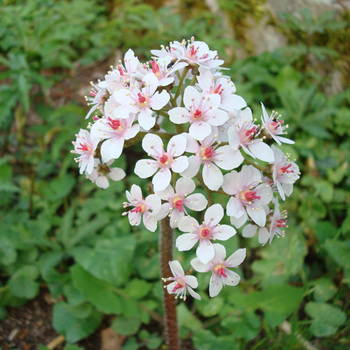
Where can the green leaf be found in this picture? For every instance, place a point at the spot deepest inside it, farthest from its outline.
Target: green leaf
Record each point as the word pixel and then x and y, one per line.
pixel 245 326
pixel 58 188
pixel 187 319
pixel 324 289
pixel 210 307
pixel 326 318
pixel 325 190
pixel 110 260
pixel 98 292
pixel 206 340
pixel 126 325
pixel 23 284
pixel 137 288
pixel 72 347
pixel 71 327
pixel 339 251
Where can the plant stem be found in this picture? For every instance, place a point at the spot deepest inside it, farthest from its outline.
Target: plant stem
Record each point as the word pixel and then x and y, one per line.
pixel 166 254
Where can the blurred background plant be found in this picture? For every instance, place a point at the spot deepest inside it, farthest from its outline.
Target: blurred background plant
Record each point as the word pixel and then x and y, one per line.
pixel 64 242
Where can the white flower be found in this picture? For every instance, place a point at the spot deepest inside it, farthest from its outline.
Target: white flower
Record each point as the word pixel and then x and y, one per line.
pixel 181 284
pixel 249 195
pixel 243 134
pixel 273 126
pixel 85 145
pixel 141 100
pixel 178 202
pixel 98 95
pixel 164 161
pixel 103 171
pixel 221 275
pixel 208 154
pixel 142 207
pixel 285 173
pixel 201 111
pixel 204 233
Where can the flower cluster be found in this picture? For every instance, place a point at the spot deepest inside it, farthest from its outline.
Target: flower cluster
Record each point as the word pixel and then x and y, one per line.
pixel 197 134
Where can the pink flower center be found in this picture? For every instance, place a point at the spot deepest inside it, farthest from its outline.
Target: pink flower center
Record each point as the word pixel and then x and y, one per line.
pixel 250 133
pixel 285 169
pixel 155 69
pixel 281 223
pixel 220 270
pixel 207 153
pixel 178 204
pixel 205 232
pixel 218 90
pixel 275 124
pixel 142 100
pixel 164 159
pixel 114 124
pixel 141 208
pixel 179 285
pixel 249 196
pixel 197 115
pixel 84 148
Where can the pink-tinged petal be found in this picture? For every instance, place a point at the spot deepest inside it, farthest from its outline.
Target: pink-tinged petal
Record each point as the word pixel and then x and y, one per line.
pixel 170 287
pixel 146 120
pixel 288 189
pixel 153 201
pixel 196 202
pixel 233 102
pixel 214 214
pixel 90 165
pixel 161 212
pixel 116 174
pixel 94 175
pixel 230 183
pixel 258 215
pixel 191 97
pixel 204 79
pixel 232 278
pixel 135 192
pixel 262 151
pixel 99 128
pixel 263 236
pixel 249 231
pixel 220 252
pixel 150 224
pixel 112 149
pixel 284 140
pixel 131 132
pixel 212 176
pixel 175 218
pixel 191 281
pixel 280 190
pixel 152 144
pixel 193 293
pixel 177 145
pixel 123 111
pixel 145 168
pixel 159 100
pixel 235 208
pixel 166 194
pixel 228 158
pixel 179 164
pixel 151 83
pixel 188 224
pixel 205 251
pixel 238 222
pixel 200 130
pixel 123 96
pixel 193 167
pixel 217 117
pixel 102 182
pixel 185 186
pixel 200 267
pixel 134 218
pixel 166 81
pixel 186 241
pixel 131 62
pixel 233 138
pixel 192 144
pixel 161 180
pixel 176 269
pixel 215 285
pixel 236 258
pixel 224 232
pixel 179 115
pixel 212 102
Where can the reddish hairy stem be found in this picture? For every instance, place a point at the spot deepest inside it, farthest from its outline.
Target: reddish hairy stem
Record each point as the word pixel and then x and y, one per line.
pixel 166 254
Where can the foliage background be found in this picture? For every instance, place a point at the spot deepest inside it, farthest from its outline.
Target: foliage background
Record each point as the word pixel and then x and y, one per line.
pixel 58 232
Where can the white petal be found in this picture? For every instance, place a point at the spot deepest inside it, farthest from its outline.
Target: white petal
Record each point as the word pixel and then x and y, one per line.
pixel 235 208
pixel 176 269
pixel 249 231
pixel 205 251
pixel 123 96
pixel 193 167
pixel 166 194
pixel 262 151
pixel 102 182
pixel 185 186
pixel 179 164
pixel 238 222
pixel 215 285
pixel 236 258
pixel 153 201
pixel 116 174
pixel 214 214
pixel 229 184
pixel 200 130
pixel 152 144
pixel 193 293
pixel 229 158
pixel 200 267
pixel 191 281
pixel 212 176
pixel 161 180
pixel 258 215
pixel 186 241
pixel 146 120
pixel 191 97
pixel 232 278
pixel 112 149
pixel 177 145
pixel 151 83
pixel 220 252
pixel 196 202
pixel 233 101
pixel 179 115
pixel 217 118
pixel 159 100
pixel 175 218
pixel 188 224
pixel 233 138
pixel 161 212
pixel 145 168
pixel 264 235
pixel 135 192
pixel 224 232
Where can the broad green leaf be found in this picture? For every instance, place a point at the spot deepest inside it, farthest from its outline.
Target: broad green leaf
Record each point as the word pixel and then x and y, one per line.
pixel 324 289
pixel 71 327
pixel 339 251
pixel 186 318
pixel 23 282
pixel 126 325
pixel 137 288
pixel 98 292
pixel 245 326
pixel 210 307
pixel 206 340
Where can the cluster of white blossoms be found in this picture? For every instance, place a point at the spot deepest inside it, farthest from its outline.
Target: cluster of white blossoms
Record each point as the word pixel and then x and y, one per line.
pixel 197 133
